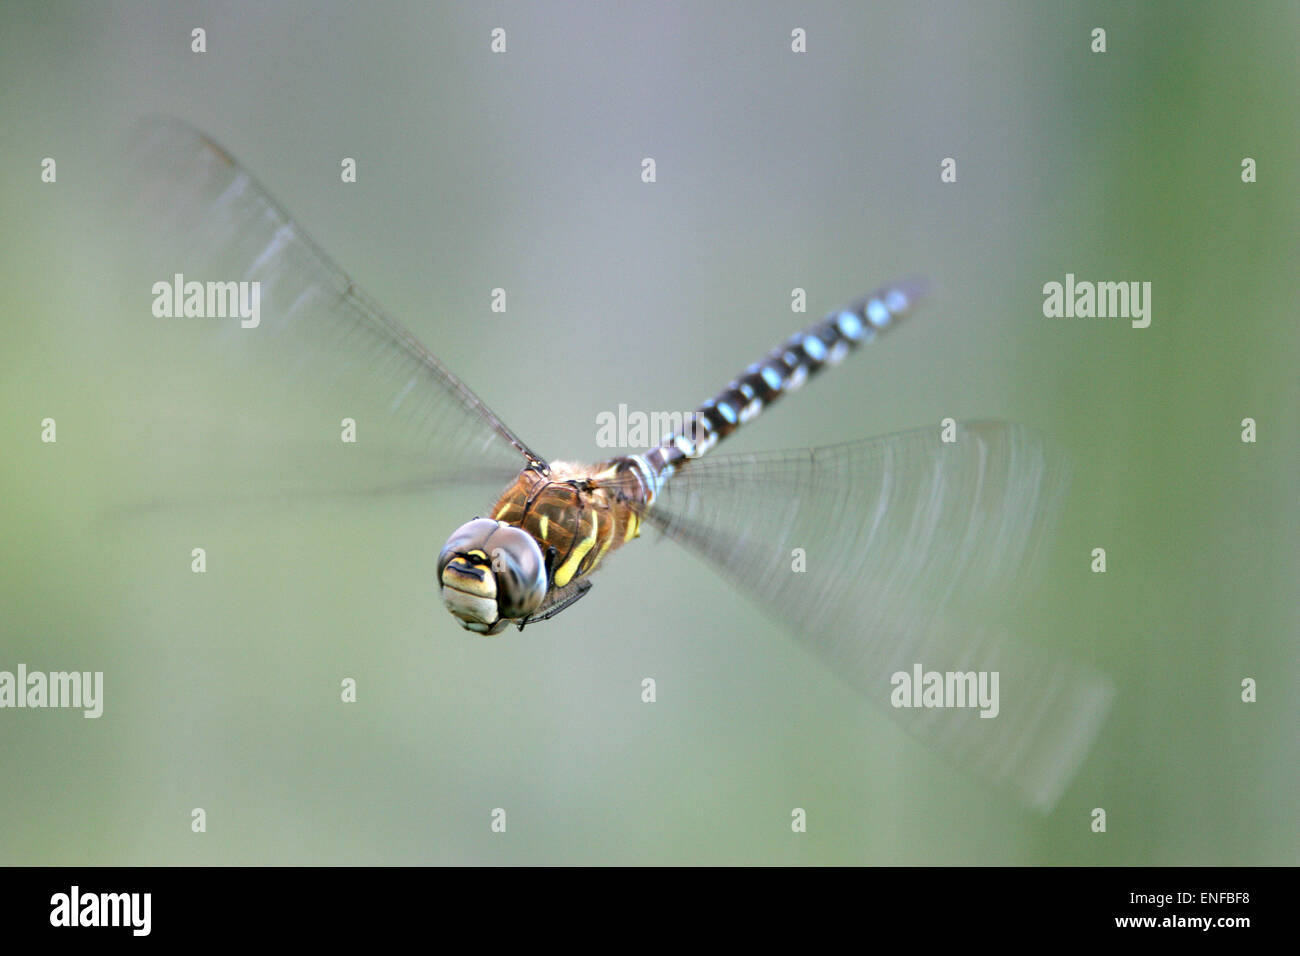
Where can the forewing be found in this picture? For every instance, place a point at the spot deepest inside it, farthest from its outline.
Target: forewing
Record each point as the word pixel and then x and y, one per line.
pixel 323 350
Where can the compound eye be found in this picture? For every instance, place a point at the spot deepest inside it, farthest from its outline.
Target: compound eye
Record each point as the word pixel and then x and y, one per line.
pixel 516 562
pixel 469 537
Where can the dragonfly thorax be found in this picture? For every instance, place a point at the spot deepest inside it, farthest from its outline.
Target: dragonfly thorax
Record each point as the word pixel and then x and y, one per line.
pixel 491 573
pixel 549 530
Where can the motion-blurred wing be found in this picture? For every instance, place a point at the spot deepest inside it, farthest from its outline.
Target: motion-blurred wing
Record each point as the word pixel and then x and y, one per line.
pixel 913 549
pixel 323 349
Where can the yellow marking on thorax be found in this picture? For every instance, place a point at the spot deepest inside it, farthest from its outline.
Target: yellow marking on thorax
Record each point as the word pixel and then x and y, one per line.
pixel 543 525
pixel 604 549
pixel 564 573
pixel 633 526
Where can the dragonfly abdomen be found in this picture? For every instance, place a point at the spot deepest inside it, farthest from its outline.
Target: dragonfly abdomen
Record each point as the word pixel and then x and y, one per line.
pixel 783 370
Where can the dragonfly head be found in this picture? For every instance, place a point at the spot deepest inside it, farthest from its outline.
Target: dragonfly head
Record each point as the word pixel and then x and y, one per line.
pixel 491 573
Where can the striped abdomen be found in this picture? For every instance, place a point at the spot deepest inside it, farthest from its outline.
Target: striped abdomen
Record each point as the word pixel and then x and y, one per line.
pixel 782 370
pixel 580 513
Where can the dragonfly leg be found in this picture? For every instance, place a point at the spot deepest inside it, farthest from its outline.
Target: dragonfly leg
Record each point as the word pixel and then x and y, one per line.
pixel 564 598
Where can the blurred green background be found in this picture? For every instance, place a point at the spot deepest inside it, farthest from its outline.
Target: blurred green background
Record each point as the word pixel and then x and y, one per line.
pixel 774 171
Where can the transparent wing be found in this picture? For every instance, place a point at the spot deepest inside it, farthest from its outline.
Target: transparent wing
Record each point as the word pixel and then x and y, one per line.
pixel 323 350
pixel 914 550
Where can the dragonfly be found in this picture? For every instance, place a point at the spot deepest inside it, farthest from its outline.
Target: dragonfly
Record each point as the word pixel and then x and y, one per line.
pixel 880 554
